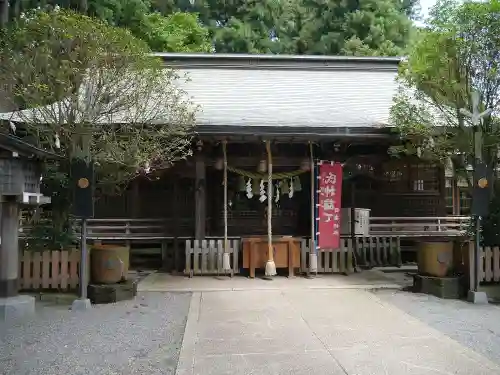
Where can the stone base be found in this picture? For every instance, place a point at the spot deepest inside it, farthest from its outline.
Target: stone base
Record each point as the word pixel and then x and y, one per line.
pixel 109 293
pixel 81 305
pixel 442 287
pixel 16 307
pixel 477 297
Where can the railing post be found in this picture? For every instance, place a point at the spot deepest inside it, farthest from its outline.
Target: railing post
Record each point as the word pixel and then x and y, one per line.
pixel 127 234
pixel 439 224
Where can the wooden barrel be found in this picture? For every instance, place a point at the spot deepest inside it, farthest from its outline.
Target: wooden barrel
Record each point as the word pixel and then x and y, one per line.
pixel 435 258
pixel 109 263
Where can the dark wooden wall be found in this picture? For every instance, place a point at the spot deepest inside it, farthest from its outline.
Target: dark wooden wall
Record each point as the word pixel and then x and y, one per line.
pixel 389 187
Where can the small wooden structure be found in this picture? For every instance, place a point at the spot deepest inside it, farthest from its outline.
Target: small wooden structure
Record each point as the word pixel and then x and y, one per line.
pixel 286 253
pixel 20 171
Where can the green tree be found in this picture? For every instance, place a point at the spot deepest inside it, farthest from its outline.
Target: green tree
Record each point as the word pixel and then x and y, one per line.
pixel 457 53
pixel 365 27
pixel 177 32
pixel 348 27
pixel 240 26
pixel 81 85
pixel 170 32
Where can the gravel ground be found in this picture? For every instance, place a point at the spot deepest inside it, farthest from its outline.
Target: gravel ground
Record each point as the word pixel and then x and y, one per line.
pixel 474 326
pixel 142 337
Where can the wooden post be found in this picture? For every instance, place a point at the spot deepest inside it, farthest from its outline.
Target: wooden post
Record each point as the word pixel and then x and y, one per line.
pixel 200 197
pixel 354 242
pixel 226 264
pixel 175 221
pixel 9 249
pixel 313 252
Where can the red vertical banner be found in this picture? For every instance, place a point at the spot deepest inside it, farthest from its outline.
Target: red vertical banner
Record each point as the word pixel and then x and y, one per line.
pixel 328 203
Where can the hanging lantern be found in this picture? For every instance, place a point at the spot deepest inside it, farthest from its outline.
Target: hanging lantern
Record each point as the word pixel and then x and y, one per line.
pixel 305 165
pixel 262 167
pixel 219 164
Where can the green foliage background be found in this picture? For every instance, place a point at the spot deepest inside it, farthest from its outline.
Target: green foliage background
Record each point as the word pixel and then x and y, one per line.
pixel 345 27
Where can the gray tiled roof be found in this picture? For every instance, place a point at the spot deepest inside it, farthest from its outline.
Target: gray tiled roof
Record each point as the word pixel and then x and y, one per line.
pixel 284 97
pixel 286 91
pixel 289 91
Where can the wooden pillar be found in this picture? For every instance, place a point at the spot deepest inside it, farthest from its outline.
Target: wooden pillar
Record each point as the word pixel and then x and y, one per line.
pixel 177 267
pixel 200 197
pixel 9 249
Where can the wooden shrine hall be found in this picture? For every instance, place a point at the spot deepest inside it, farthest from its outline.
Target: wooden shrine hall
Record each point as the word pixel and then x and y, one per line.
pixel 287 113
pixel 251 194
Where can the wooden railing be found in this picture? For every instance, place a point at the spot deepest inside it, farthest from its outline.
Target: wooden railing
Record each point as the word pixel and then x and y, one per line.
pixel 419 226
pixel 127 229
pixel 158 229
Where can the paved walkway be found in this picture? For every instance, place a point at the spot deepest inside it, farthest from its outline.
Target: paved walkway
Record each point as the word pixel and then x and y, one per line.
pixel 162 282
pixel 315 331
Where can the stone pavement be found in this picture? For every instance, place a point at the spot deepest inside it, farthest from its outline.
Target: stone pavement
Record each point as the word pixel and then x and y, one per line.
pixel 315 331
pixel 162 282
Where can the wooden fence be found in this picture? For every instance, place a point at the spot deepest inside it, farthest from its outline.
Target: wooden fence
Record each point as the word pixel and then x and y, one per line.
pixel 329 261
pixel 378 251
pixel 56 270
pixel 205 257
pixel 489 267
pixel 370 251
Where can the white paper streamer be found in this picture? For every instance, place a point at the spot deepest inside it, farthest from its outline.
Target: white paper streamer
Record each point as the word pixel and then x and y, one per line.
pixel 263 196
pixel 249 189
